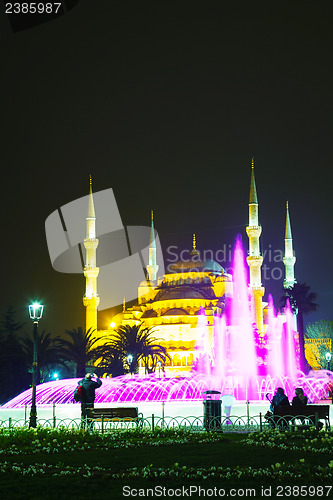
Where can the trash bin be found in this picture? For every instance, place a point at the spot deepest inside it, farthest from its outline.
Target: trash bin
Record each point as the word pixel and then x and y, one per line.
pixel 212 411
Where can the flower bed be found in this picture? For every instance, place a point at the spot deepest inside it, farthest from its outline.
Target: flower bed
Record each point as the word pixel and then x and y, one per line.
pixel 128 457
pixel 307 440
pixel 276 471
pixel 43 440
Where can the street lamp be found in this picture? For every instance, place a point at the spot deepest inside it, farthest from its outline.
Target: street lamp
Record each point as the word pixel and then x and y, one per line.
pixel 328 357
pixel 129 362
pixel 35 313
pixel 159 366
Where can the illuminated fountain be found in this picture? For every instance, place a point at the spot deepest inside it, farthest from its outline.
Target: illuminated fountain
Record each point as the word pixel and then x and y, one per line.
pixel 237 361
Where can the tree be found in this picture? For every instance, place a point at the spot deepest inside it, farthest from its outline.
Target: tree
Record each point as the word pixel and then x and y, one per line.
pixel 111 362
pixel 130 344
pixel 51 351
pixel 302 301
pixel 82 348
pixel 322 333
pixel 9 325
pixel 13 368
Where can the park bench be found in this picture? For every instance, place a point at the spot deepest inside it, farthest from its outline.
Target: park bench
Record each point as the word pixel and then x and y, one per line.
pixel 308 416
pixel 121 414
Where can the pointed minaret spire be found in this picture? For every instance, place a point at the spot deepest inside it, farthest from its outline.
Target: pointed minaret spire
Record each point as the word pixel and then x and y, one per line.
pixel 289 258
pixel 91 299
pixel 124 304
pixel 91 217
pixel 254 258
pixel 288 235
pixel 253 190
pixel 152 266
pixel 152 242
pixel 194 250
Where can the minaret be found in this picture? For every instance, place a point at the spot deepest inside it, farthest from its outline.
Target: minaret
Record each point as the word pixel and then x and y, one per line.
pixel 254 258
pixel 289 258
pixel 91 299
pixel 152 267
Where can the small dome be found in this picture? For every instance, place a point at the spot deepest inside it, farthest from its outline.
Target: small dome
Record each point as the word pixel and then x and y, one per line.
pixel 147 283
pixel 175 311
pixel 185 292
pixel 150 313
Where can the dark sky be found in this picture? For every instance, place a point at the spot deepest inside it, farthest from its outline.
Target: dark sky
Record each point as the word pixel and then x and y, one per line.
pixel 167 105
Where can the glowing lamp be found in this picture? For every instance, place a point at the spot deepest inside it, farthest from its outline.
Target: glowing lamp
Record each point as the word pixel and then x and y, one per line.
pixel 113 324
pixel 36 311
pixel 328 357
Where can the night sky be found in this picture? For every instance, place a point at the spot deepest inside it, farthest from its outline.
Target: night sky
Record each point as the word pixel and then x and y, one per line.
pixel 166 105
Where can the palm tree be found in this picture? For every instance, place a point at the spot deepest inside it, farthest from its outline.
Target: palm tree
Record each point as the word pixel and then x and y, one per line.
pixel 51 351
pixel 82 348
pixel 130 344
pixel 302 301
pixel 110 362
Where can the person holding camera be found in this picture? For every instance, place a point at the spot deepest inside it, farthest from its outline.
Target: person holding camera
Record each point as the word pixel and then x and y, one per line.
pixel 88 393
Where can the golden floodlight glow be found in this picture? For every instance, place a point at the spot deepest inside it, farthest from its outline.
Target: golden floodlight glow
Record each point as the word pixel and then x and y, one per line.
pixel 112 324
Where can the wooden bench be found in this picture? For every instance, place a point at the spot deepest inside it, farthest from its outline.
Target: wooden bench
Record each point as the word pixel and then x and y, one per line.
pixel 121 414
pixel 309 415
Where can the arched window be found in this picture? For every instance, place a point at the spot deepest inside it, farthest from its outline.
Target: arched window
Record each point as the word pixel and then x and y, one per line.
pixel 176 361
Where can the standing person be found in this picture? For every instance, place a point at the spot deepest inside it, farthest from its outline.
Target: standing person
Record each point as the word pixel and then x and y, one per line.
pixel 88 393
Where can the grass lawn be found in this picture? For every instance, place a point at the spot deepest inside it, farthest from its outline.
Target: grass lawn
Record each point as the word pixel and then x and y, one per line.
pixel 72 465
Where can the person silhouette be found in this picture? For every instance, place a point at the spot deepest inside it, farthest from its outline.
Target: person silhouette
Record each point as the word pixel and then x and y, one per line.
pixel 88 394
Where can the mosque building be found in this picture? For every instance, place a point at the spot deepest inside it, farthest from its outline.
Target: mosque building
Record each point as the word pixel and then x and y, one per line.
pixel 189 295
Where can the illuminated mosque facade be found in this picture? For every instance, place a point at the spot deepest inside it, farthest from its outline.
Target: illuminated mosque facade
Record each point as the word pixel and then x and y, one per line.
pixel 182 303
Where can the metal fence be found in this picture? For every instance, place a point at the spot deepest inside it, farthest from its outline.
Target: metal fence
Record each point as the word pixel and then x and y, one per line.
pixel 195 424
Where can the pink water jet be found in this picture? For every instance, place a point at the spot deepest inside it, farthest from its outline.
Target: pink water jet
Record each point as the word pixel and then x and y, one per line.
pixel 248 364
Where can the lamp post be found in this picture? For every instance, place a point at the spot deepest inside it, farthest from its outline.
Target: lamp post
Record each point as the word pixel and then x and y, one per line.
pixel 35 313
pixel 159 366
pixel 129 362
pixel 328 357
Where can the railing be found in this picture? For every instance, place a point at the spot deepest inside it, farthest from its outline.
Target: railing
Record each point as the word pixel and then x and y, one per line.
pixel 192 423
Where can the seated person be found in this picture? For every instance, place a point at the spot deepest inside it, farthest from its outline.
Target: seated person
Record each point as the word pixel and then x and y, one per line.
pixel 300 399
pixel 279 399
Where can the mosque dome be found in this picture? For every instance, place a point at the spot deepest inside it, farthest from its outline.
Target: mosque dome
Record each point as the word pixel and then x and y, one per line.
pixel 195 264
